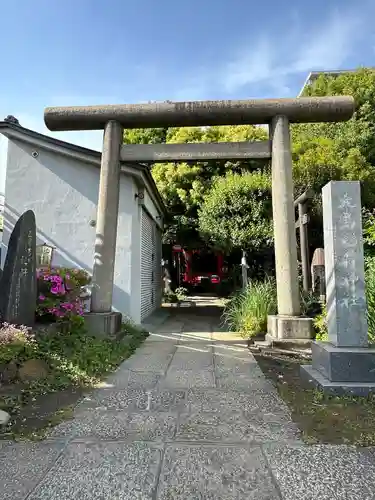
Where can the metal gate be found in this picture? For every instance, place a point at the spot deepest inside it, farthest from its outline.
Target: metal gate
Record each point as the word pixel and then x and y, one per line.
pixel 147 265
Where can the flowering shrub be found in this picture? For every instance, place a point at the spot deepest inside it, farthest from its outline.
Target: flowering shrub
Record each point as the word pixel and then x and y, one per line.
pixel 11 333
pixel 59 293
pixel 14 341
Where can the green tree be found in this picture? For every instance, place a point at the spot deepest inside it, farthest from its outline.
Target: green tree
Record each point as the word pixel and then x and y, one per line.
pixel 237 212
pixel 183 185
pixel 337 151
pixel 145 135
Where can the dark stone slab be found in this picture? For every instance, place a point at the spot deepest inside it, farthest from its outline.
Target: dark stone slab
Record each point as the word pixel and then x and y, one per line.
pixel 317 380
pixel 18 282
pixel 344 364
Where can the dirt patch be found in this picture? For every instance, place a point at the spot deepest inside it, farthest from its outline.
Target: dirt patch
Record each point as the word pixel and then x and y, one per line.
pixel 33 418
pixel 321 418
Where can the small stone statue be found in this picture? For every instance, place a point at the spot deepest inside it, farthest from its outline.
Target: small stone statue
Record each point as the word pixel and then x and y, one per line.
pixel 318 272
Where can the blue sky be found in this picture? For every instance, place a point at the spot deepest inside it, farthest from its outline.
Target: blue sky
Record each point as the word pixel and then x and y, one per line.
pixel 67 52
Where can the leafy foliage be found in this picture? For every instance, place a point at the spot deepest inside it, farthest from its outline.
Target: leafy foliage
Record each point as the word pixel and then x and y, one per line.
pixel 145 135
pixel 237 212
pixel 310 304
pixel 338 151
pixel 77 358
pixel 183 186
pixel 320 325
pixel 74 357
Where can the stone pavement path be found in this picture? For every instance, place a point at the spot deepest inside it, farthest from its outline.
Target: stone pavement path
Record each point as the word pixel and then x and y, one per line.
pixel 189 416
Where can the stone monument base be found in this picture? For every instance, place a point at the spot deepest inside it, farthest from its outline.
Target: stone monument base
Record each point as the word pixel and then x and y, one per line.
pixel 103 324
pixel 316 379
pixel 289 330
pixel 341 370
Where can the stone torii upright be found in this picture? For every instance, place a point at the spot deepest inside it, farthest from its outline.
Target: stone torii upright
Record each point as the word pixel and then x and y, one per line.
pixel 277 113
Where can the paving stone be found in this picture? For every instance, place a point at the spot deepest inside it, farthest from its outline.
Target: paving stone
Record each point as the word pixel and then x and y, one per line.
pixel 240 368
pixel 124 378
pixel 200 348
pixel 130 399
pixel 188 378
pixel 232 356
pixel 134 400
pixel 236 349
pixel 219 334
pixel 164 348
pixel 192 360
pixel 192 337
pixel 98 471
pixel 104 424
pixel 4 443
pixel 171 327
pixel 23 465
pixel 242 382
pixel 236 427
pixel 214 400
pixel 169 337
pixel 322 472
pixel 172 401
pixel 215 473
pixel 151 363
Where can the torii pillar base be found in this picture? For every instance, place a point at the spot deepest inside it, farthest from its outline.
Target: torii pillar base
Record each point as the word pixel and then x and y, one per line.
pixel 106 324
pixel 289 330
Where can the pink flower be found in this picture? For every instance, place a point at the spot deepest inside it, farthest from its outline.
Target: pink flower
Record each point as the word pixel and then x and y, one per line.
pixel 42 297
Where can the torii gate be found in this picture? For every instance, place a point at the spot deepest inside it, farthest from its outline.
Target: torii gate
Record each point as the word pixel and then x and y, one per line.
pixel 277 113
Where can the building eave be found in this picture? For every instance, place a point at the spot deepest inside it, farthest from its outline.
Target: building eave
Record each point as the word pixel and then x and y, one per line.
pixel 15 131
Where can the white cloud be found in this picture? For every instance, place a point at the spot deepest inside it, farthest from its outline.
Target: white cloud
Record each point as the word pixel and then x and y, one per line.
pixel 329 46
pixel 249 66
pixel 272 60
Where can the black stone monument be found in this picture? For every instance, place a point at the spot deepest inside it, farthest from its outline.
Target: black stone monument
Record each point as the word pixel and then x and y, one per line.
pixel 18 285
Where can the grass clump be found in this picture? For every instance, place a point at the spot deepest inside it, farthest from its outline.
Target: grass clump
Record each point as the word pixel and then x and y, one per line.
pixel 247 311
